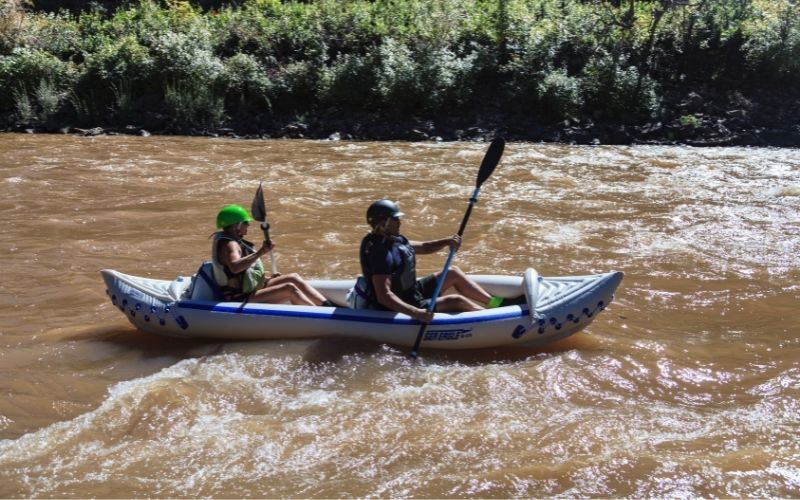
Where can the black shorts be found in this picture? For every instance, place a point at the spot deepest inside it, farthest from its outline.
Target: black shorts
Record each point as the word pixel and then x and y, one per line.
pixel 233 294
pixel 423 291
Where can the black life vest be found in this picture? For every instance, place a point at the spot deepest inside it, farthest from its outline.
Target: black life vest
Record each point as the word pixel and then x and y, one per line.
pixel 404 265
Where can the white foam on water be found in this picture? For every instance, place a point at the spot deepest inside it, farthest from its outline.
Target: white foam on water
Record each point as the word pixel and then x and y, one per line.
pixel 231 421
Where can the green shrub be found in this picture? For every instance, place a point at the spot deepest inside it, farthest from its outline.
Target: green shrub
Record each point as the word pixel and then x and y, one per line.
pixel 560 95
pixel 449 78
pixel 533 41
pixel 48 98
pixel 773 40
pixel 350 82
pixel 37 106
pixel 122 59
pixel 550 58
pixel 689 121
pixel 618 92
pixel 246 83
pixel 179 57
pixel 56 34
pixel 194 106
pixel 424 79
pixel 245 30
pixel 26 69
pixel 22 106
pixel 123 103
pixel 295 88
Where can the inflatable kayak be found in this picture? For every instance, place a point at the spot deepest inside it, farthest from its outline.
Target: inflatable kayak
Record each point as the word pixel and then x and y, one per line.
pixel 552 308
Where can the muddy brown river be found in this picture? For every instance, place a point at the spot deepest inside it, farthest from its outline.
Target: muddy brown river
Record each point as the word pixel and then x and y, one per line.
pixel 686 386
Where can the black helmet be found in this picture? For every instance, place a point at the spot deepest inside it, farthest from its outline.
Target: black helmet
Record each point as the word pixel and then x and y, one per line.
pixel 382 209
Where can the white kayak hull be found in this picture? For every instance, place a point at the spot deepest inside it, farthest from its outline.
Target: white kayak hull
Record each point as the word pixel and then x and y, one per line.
pixel 561 306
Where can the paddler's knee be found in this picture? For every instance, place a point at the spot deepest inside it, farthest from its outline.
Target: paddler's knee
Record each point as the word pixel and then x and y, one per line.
pixel 294 278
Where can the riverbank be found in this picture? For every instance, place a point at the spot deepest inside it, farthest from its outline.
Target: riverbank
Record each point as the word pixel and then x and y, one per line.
pixel 743 126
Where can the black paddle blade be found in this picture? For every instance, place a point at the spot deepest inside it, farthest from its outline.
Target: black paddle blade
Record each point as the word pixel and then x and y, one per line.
pixel 259 209
pixel 490 160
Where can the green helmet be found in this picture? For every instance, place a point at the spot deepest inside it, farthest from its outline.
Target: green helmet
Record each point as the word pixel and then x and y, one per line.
pixel 231 214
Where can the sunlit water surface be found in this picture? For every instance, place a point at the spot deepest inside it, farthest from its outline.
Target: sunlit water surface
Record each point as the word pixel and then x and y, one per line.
pixel 686 386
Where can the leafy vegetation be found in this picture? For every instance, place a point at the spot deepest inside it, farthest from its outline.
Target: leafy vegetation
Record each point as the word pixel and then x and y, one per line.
pixel 202 65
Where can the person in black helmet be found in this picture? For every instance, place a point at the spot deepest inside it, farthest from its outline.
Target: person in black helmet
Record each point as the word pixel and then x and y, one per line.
pixel 388 263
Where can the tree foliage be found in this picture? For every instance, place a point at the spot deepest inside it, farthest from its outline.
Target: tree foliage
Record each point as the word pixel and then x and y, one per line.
pixel 549 59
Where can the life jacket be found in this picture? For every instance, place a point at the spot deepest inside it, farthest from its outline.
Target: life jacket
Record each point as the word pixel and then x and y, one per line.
pixel 251 279
pixel 404 266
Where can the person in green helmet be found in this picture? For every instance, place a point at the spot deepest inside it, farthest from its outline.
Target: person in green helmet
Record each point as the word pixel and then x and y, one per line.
pixel 239 271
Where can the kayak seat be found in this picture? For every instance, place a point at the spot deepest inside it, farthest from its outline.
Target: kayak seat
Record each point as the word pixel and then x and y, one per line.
pixel 357 296
pixel 204 287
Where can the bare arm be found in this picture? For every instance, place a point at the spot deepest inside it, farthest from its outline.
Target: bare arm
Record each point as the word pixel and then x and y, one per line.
pixel 231 256
pixel 383 291
pixel 433 246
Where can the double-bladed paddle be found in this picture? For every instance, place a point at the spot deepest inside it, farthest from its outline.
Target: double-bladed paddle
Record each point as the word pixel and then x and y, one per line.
pixel 490 161
pixel 259 211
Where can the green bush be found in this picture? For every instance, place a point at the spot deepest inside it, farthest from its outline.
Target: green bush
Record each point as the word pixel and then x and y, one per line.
pixel 350 82
pixel 773 40
pixel 37 106
pixel 689 121
pixel 618 92
pixel 424 79
pixel 547 58
pixel 560 95
pixel 247 30
pixel 57 34
pixel 25 70
pixel 194 106
pixel 48 98
pixel 397 81
pixel 295 88
pixel 449 78
pixel 121 59
pixel 23 107
pixel 246 83
pixel 179 57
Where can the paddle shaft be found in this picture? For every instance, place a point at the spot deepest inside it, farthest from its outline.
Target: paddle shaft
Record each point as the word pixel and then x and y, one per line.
pixel 490 161
pixel 265 228
pixel 443 275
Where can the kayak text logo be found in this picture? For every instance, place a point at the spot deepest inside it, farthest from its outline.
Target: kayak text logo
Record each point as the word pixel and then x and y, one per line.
pixel 448 334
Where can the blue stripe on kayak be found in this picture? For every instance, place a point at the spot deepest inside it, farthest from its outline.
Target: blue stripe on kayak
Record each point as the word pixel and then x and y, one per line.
pixel 344 316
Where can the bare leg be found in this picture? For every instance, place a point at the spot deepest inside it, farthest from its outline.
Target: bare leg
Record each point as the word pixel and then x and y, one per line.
pixel 294 279
pixel 456 303
pixel 465 286
pixel 280 293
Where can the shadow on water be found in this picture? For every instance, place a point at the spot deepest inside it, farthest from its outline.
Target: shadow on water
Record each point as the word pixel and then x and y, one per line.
pixel 332 350
pixel 318 351
pixel 148 345
pixel 512 354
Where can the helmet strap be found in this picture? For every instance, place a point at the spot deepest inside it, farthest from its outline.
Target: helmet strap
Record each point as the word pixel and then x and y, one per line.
pixel 234 230
pixel 380 228
pixel 384 228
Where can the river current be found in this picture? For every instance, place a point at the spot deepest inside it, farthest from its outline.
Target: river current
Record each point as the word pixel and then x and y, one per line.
pixel 687 385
